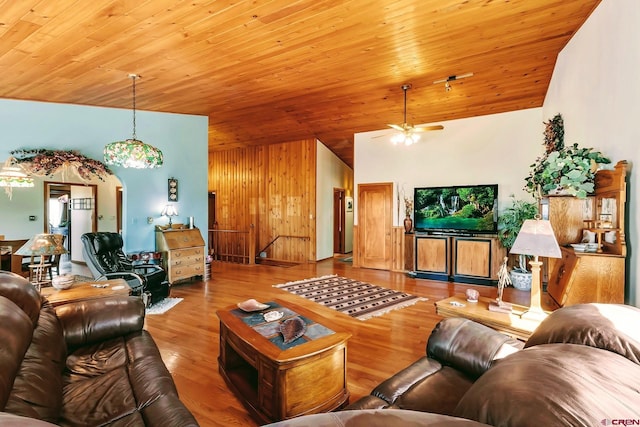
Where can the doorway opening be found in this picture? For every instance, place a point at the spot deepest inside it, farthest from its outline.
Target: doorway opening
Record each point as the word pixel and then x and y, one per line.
pixel 70 210
pixel 339 218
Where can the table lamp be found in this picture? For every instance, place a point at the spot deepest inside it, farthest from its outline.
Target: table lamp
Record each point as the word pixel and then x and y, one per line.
pixel 536 238
pixel 41 245
pixel 169 211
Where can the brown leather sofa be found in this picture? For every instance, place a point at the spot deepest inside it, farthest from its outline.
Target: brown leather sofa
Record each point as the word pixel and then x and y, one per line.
pixel 81 364
pixel 581 367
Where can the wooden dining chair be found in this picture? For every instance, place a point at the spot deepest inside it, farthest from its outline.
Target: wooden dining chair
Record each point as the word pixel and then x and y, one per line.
pixel 13 261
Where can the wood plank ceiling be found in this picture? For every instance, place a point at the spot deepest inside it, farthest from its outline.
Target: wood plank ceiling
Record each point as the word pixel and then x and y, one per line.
pixel 268 71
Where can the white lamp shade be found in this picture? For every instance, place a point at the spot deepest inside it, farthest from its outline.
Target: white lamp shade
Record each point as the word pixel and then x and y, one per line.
pixel 536 238
pixel 169 210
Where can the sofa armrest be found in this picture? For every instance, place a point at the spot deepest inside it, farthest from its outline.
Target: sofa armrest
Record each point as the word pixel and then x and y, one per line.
pixel 469 346
pixel 126 275
pixel 396 385
pixel 86 322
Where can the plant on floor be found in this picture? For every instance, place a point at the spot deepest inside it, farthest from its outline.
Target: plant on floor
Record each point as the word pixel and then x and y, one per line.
pixel 509 223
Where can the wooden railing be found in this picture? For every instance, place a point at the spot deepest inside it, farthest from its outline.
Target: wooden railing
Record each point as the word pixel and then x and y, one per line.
pixel 294 252
pixel 234 246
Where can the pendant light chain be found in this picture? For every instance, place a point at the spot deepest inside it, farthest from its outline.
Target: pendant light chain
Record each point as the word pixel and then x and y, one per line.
pixel 133 153
pixel 134 77
pixel 405 105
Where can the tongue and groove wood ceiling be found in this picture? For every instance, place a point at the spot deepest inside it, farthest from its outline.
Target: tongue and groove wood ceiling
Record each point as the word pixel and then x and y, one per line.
pixel 285 70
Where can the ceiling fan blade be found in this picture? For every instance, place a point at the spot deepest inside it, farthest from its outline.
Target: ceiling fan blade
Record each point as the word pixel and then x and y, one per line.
pixel 428 128
pixel 397 127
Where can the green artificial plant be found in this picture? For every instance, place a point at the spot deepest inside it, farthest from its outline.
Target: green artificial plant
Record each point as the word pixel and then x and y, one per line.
pixel 571 170
pixel 564 170
pixel 510 222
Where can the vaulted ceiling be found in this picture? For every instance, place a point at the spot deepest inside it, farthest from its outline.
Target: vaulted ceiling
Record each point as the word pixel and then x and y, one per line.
pixel 284 70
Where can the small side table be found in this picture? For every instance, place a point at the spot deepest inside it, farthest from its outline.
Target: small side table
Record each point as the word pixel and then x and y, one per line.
pixel 83 291
pixel 508 323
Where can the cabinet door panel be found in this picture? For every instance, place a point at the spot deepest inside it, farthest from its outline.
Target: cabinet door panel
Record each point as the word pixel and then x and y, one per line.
pixel 473 257
pixel 432 254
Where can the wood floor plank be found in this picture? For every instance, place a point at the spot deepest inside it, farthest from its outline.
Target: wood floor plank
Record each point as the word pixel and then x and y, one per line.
pixel 188 335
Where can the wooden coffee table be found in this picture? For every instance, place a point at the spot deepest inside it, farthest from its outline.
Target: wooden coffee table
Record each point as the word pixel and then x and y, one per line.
pixel 82 291
pixel 510 324
pixel 276 383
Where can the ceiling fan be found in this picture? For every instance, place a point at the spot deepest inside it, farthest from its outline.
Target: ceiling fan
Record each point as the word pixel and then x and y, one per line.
pixel 409 134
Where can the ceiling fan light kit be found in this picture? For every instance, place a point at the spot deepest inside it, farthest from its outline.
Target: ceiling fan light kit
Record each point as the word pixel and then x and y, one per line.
pixel 406 139
pixel 133 153
pixel 409 134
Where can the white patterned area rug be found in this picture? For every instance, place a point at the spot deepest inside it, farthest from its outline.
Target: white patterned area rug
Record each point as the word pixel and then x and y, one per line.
pixel 357 299
pixel 163 306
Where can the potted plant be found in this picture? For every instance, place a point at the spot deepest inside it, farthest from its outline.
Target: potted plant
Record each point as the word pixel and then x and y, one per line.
pixel 570 170
pixel 509 224
pixel 563 170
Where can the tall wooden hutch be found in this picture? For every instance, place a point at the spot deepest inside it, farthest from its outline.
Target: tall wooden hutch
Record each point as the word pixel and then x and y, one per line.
pixel 581 277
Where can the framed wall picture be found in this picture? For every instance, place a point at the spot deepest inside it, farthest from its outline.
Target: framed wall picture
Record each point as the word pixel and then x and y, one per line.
pixel 172 190
pixel 349 203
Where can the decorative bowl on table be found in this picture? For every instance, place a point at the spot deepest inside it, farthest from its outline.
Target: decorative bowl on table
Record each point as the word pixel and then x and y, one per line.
pixel 62 282
pixel 252 305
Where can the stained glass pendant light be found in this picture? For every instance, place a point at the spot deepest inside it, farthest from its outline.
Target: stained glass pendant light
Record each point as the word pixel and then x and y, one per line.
pixel 13 176
pixel 133 153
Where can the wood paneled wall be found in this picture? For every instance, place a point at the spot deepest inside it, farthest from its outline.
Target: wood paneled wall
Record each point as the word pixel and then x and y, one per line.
pixel 273 187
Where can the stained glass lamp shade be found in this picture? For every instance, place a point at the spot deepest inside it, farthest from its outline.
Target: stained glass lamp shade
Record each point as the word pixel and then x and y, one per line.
pixel 12 177
pixel 42 245
pixel 132 153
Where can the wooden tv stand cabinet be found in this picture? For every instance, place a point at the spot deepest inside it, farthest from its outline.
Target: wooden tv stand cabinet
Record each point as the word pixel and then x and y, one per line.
pixel 276 384
pixel 464 258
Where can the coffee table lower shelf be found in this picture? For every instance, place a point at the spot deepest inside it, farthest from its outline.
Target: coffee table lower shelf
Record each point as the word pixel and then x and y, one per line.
pixel 508 323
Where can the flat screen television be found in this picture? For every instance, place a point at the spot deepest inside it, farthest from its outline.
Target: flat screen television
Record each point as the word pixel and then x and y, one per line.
pixel 460 208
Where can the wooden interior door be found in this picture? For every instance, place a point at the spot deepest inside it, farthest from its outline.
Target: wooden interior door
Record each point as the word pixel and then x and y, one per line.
pixel 375 223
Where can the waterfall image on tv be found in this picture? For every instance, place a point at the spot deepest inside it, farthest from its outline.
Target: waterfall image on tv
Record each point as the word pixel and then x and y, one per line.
pixel 472 208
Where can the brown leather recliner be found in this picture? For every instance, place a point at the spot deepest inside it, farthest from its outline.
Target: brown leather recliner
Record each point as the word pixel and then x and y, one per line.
pixel 87 363
pixel 102 251
pixel 580 367
pixel 458 352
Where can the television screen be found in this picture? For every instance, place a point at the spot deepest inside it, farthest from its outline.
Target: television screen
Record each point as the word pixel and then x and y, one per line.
pixel 470 208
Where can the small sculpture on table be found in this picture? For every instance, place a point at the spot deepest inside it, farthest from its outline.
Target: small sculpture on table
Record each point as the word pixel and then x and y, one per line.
pixel 503 281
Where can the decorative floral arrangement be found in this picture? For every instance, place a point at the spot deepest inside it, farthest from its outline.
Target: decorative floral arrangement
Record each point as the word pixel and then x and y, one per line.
pixel 563 170
pixel 42 162
pixel 408 206
pixel 554 134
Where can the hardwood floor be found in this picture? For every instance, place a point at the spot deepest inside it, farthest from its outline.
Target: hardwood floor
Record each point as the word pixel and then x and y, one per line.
pixel 188 335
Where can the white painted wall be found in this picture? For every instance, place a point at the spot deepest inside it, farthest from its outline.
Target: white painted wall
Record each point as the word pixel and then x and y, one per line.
pixel 596 89
pixel 331 172
pixel 493 149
